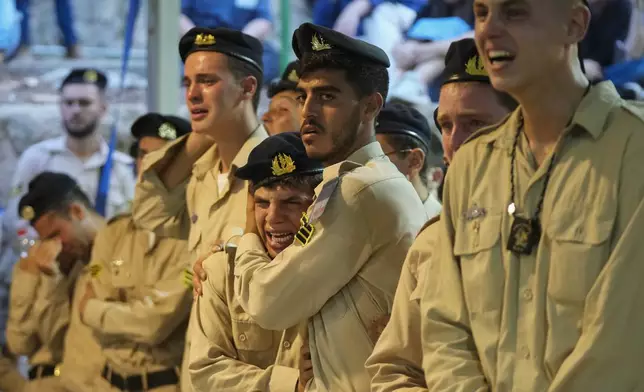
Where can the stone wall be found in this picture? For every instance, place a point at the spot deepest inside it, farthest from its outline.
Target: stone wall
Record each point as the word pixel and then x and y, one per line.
pixel 97 23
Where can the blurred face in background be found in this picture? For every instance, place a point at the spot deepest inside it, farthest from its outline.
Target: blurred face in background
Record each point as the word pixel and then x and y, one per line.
pixel 283 113
pixel 463 109
pixel 82 105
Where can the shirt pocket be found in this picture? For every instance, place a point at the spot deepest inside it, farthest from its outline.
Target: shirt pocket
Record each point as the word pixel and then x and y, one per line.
pixel 476 248
pixel 580 247
pixel 249 336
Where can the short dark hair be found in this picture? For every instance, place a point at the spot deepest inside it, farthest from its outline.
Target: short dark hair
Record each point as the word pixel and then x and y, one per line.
pixel 402 144
pixel 241 69
pixel 75 195
pixel 366 78
pixel 303 181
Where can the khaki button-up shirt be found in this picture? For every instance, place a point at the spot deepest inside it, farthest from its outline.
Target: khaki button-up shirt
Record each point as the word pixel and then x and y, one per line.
pixel 345 277
pixel 197 210
pixel 44 326
pixel 397 360
pixel 568 317
pixel 230 351
pixel 142 306
pixel 35 328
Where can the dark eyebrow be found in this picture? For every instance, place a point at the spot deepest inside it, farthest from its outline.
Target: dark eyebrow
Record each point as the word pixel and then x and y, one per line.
pixel 320 89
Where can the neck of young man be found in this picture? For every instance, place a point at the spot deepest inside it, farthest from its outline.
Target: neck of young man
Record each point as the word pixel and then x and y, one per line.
pixel 84 147
pixel 233 138
pixel 364 138
pixel 548 106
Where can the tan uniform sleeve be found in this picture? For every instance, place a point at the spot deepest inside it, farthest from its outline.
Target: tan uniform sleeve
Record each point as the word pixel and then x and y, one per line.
pixel 156 208
pixel 450 359
pixel 213 357
pixel 39 313
pixel 611 342
pixel 22 325
pixel 294 286
pixel 396 361
pixel 149 320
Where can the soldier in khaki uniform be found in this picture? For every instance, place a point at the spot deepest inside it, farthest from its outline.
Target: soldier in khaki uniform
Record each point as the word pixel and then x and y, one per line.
pixel 231 351
pixel 136 303
pixel 44 321
pixel 537 283
pixel 342 269
pixel 188 188
pixel 283 113
pixel 467 102
pixel 405 136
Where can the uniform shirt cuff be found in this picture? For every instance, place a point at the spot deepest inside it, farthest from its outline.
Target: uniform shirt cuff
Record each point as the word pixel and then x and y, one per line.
pixel 284 379
pixel 94 311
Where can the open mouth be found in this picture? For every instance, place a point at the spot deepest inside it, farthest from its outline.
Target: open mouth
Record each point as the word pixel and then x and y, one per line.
pixel 198 113
pixel 281 239
pixel 500 57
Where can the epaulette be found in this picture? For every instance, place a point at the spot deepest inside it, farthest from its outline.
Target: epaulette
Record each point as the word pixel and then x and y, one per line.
pixel 428 223
pixel 636 108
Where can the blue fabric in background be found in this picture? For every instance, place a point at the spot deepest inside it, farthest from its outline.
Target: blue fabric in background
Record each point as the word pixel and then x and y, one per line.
pixel 438 29
pixel 9 27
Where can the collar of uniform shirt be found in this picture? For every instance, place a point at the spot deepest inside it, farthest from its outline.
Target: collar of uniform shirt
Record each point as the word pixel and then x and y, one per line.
pixel 591 116
pixel 360 156
pixel 594 109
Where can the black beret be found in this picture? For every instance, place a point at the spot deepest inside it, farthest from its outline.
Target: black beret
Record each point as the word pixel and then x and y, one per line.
pixel 310 39
pixel 401 119
pixel 288 81
pixel 277 157
pixel 45 192
pixel 86 76
pixel 463 64
pixel 158 125
pixel 227 41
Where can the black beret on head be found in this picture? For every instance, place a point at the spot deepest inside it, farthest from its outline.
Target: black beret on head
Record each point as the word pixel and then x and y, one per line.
pixel 277 157
pixel 288 81
pixel 463 64
pixel 227 41
pixel 401 119
pixel 45 192
pixel 310 39
pixel 158 125
pixel 85 76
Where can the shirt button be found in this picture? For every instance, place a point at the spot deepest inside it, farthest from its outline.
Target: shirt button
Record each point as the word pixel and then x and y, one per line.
pixel 287 344
pixel 194 218
pixel 242 337
pixel 527 294
pixel 525 352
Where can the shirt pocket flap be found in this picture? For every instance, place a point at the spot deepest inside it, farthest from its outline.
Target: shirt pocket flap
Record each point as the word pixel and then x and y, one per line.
pixel 249 336
pixel 474 236
pixel 585 231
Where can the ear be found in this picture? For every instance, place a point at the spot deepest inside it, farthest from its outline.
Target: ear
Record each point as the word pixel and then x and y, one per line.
pixel 416 160
pixel 578 23
pixel 249 87
pixel 77 211
pixel 372 107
